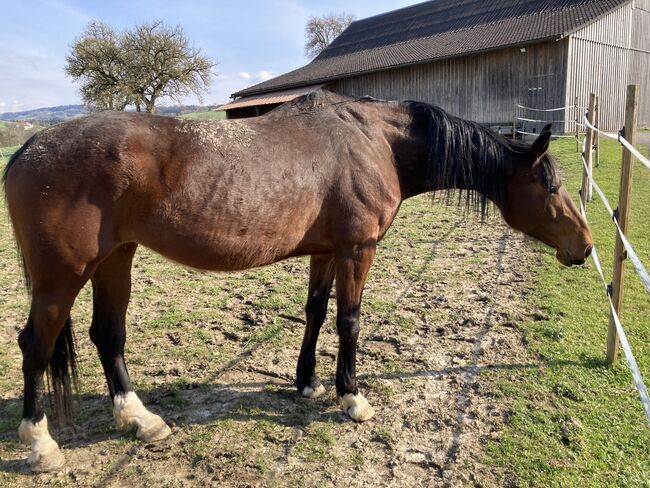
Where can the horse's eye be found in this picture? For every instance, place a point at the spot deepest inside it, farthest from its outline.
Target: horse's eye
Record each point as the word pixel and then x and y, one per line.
pixel 553 190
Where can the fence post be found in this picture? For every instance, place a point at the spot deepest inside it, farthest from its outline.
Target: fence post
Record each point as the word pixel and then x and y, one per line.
pixel 586 191
pixel 514 122
pixel 622 214
pixel 597 135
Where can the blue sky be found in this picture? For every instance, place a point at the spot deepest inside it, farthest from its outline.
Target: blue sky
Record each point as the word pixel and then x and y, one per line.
pixel 250 40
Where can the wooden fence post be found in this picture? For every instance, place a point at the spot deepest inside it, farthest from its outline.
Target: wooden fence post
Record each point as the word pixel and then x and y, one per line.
pixel 622 215
pixel 586 191
pixel 514 122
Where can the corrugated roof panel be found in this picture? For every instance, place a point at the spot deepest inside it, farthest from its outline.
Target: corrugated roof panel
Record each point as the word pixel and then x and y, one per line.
pixel 269 99
pixel 440 29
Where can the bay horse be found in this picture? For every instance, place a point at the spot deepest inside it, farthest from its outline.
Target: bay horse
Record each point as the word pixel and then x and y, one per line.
pixel 323 175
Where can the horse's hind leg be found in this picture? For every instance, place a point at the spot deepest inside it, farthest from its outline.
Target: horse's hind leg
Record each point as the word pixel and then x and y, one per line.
pixel 111 293
pixel 43 341
pixel 351 272
pixel 321 276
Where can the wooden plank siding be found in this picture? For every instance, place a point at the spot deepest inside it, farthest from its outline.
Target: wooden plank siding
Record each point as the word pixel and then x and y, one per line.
pixel 640 57
pixel 482 87
pixel 606 56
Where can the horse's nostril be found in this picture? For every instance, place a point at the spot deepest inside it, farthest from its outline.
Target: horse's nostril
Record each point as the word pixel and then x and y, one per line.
pixel 588 251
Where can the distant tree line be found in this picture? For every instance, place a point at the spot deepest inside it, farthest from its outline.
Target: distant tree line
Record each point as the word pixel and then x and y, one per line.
pixel 136 67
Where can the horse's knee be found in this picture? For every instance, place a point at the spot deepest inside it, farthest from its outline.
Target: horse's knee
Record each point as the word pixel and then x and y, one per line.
pixel 348 328
pixel 25 338
pixel 103 332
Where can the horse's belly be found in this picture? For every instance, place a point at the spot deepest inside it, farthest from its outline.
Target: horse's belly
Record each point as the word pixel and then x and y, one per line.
pixel 228 244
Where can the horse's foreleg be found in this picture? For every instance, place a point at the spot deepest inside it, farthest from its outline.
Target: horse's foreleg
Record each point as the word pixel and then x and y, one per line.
pixel 111 294
pixel 39 342
pixel 321 276
pixel 351 273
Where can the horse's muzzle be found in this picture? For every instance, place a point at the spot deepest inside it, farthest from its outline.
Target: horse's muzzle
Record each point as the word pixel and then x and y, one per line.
pixel 567 259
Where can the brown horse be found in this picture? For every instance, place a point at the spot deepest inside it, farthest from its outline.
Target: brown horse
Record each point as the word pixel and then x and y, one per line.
pixel 322 176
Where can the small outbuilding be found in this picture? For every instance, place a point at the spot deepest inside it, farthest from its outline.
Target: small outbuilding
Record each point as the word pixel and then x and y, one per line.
pixel 478 59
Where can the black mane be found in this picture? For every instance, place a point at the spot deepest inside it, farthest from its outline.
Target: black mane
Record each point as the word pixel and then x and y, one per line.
pixel 470 160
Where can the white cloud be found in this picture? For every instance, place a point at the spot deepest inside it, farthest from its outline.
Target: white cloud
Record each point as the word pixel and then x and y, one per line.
pixel 264 75
pixel 244 75
pixel 2 104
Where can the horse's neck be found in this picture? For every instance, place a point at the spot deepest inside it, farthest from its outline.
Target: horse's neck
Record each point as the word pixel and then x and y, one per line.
pixel 464 158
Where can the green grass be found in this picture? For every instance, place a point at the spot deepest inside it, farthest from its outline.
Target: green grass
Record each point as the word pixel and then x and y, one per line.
pixel 575 421
pixel 7 152
pixel 211 114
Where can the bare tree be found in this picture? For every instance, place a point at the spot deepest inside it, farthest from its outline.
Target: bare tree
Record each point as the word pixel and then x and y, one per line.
pixel 137 67
pixel 96 60
pixel 321 31
pixel 163 64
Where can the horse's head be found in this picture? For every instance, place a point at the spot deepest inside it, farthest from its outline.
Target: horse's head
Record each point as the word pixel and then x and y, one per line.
pixel 536 203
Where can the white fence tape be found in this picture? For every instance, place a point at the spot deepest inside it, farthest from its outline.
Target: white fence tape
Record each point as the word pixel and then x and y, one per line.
pixel 634 258
pixel 536 134
pixel 625 345
pixel 622 140
pixel 539 120
pixel 545 110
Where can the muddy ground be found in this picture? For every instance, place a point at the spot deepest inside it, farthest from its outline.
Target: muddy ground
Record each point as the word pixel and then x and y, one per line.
pixel 215 355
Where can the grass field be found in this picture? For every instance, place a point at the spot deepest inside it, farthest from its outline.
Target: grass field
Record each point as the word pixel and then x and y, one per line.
pixel 576 422
pixel 212 114
pixel 447 298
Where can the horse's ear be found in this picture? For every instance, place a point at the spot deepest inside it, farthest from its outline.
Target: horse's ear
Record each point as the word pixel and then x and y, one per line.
pixel 540 146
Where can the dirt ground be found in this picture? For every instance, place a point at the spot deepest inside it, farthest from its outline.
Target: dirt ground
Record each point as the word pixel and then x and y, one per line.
pixel 215 355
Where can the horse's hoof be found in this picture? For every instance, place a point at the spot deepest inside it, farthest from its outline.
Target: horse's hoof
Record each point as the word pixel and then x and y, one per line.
pixel 313 392
pixel 357 407
pixel 130 413
pixel 45 454
pixel 153 430
pixel 46 462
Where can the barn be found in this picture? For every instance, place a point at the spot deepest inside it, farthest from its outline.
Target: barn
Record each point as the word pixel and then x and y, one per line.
pixel 478 59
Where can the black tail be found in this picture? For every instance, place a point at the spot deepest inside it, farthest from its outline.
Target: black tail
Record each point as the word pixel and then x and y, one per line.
pixel 62 375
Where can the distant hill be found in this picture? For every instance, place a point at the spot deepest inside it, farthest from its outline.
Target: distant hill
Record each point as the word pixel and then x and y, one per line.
pixel 15 133
pixel 48 115
pixel 53 115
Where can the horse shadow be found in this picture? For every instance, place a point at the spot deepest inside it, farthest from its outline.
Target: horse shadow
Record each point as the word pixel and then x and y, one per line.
pixel 184 404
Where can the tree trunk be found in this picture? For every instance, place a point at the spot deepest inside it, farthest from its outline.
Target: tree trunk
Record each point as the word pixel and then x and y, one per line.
pixel 150 105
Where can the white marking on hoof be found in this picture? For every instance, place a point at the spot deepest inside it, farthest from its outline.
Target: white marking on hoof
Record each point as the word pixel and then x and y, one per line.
pixel 130 413
pixel 45 455
pixel 310 392
pixel 357 407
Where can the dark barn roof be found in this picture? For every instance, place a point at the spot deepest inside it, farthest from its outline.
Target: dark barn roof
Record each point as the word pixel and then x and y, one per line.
pixel 440 29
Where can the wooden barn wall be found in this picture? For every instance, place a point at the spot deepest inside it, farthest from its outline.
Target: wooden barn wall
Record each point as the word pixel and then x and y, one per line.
pixel 605 57
pixel 640 57
pixel 482 87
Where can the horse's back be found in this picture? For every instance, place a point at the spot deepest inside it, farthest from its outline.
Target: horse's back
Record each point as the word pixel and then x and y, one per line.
pixel 210 194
